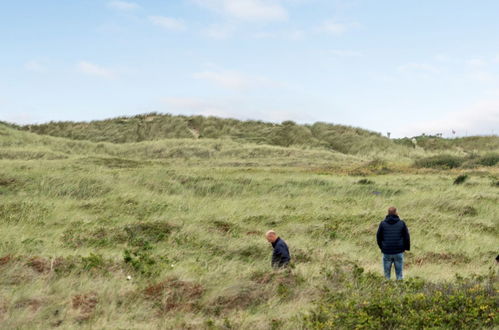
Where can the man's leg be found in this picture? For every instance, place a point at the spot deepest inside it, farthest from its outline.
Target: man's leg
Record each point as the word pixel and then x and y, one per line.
pixel 387 265
pixel 399 265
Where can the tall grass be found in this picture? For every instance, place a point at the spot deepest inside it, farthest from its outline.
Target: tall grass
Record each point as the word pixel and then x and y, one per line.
pixel 185 219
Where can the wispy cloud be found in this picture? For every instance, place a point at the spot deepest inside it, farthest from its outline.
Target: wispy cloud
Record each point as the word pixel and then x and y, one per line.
pixel 218 31
pixel 235 80
pixel 479 119
pixel 476 62
pixel 232 108
pixel 344 53
pixel 296 34
pixel 20 118
pixel 227 79
pixel 418 68
pixel 168 22
pixel 35 66
pixel 92 69
pixel 123 5
pixel 333 27
pixel 248 10
pixel 197 106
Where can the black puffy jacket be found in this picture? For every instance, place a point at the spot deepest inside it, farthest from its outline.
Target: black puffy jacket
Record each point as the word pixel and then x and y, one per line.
pixel 393 235
pixel 280 255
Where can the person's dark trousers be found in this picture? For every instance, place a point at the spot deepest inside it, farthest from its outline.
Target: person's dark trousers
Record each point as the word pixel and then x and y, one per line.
pixel 395 259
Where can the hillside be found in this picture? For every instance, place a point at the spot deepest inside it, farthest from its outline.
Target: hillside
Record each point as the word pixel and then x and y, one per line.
pixel 156 127
pixel 344 139
pixel 169 234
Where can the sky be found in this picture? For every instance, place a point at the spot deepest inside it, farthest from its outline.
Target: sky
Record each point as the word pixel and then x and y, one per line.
pixel 398 66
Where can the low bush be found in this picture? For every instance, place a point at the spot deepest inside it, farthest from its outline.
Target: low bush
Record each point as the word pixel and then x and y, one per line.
pixel 373 303
pixel 460 179
pixel 142 261
pixel 365 181
pixel 491 159
pixel 440 162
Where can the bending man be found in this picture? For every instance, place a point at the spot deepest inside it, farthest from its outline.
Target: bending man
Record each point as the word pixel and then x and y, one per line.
pixel 280 256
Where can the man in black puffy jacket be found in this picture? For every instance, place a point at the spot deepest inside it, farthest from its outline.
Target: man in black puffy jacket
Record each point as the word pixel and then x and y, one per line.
pixel 393 239
pixel 280 255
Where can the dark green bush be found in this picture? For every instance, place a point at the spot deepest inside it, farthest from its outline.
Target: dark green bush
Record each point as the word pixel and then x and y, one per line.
pixel 488 160
pixel 460 179
pixel 440 161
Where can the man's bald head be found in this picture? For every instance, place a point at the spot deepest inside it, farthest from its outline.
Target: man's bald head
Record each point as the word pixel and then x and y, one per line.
pixel 392 210
pixel 271 236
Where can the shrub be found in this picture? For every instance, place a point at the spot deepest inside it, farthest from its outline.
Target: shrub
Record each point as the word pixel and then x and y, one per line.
pixel 488 160
pixel 92 261
pixel 142 261
pixel 440 161
pixel 413 304
pixel 460 179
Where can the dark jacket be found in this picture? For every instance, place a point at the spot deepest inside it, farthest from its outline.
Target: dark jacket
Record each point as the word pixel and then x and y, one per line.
pixel 280 256
pixel 393 235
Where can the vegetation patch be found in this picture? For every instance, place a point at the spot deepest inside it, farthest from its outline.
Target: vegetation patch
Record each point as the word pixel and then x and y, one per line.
pixel 373 167
pixel 43 265
pixel 30 155
pixel 174 295
pixel 468 211
pixel 490 159
pixel 238 298
pixel 142 233
pixel 84 305
pixel 439 162
pixel 438 258
pixel 301 256
pixel 249 253
pixel 224 226
pixel 27 212
pixel 461 179
pixel 5 260
pixel 99 237
pixel 114 162
pixel 63 266
pixel 32 303
pixel 73 187
pixel 7 181
pixel 373 303
pixel 144 262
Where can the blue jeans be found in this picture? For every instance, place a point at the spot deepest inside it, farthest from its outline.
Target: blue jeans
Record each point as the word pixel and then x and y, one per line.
pixel 397 260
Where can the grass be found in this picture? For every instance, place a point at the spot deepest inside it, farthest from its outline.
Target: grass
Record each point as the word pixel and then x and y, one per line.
pixel 185 219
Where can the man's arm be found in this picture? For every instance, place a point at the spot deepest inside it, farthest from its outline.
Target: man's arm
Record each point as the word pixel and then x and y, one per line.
pixel 407 238
pixel 379 235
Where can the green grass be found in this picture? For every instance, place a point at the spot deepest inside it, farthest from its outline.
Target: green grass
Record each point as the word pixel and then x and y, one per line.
pixel 185 220
pixel 155 126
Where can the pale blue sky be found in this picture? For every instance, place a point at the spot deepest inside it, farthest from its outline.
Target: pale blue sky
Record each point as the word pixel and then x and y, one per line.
pixel 406 67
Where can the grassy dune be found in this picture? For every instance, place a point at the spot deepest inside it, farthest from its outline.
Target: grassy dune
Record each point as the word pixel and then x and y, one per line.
pixel 185 218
